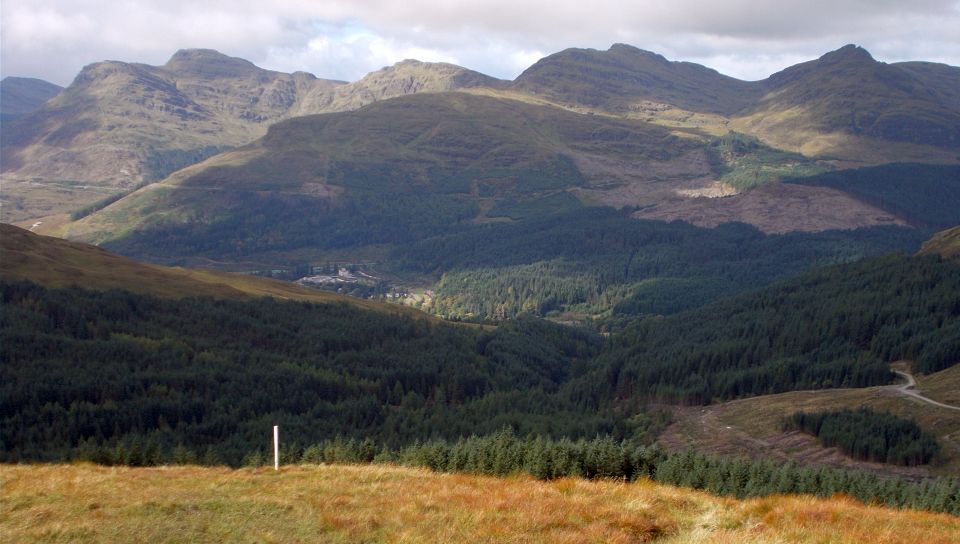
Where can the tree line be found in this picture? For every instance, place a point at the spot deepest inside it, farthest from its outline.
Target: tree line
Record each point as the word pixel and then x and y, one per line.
pixel 504 453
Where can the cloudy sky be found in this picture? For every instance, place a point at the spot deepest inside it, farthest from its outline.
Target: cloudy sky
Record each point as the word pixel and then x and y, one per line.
pixel 749 39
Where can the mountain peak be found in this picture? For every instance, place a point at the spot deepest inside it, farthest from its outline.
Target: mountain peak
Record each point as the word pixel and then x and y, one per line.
pixel 209 63
pixel 624 76
pixel 837 63
pixel 626 49
pixel 418 76
pixel 848 53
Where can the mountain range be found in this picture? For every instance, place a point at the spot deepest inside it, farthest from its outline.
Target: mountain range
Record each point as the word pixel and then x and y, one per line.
pixel 120 125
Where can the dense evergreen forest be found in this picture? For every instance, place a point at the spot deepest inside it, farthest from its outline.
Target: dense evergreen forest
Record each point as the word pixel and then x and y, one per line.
pixel 593 260
pixel 837 326
pixel 82 369
pixel 868 435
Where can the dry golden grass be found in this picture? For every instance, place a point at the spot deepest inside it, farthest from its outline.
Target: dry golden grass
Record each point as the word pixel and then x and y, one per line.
pixel 87 503
pixel 946 243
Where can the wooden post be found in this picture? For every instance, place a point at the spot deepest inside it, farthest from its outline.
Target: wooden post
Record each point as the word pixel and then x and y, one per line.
pixel 276 447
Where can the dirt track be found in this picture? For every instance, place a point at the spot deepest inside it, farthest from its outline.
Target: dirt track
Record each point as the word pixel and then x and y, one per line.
pixel 752 427
pixel 908 390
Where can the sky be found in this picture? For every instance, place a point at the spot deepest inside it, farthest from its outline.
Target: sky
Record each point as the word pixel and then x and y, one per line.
pixel 336 39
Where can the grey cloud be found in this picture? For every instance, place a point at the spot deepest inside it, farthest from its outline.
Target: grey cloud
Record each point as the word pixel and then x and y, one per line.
pixel 341 39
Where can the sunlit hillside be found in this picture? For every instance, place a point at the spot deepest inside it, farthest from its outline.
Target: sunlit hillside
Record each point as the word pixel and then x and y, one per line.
pixel 54 262
pixel 81 503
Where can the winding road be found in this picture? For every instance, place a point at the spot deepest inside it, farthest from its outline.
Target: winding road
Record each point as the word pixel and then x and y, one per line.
pixel 907 389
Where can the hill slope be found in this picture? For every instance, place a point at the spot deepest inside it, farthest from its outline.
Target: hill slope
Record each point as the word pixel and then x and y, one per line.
pixel 843 107
pixel 121 124
pixel 846 101
pixel 403 78
pixel 945 243
pixel 831 327
pixel 53 262
pixel 754 427
pixel 923 195
pixel 400 170
pixel 22 95
pixel 395 379
pixel 407 167
pixel 624 79
pixel 385 503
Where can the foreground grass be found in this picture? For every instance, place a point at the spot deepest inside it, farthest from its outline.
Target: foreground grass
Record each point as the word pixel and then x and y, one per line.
pixel 88 503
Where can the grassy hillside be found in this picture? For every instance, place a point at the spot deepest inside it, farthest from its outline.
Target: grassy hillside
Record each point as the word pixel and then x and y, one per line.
pixel 943 386
pixel 400 171
pixel 945 243
pixel 54 262
pixel 754 426
pixel 844 108
pixel 392 172
pixel 623 78
pixel 119 124
pixel 391 504
pixel 845 100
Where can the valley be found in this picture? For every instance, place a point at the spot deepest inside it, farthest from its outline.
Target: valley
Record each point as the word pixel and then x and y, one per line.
pixel 421 155
pixel 510 309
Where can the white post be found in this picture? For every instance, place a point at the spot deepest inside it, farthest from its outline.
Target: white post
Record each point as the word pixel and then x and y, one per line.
pixel 276 447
